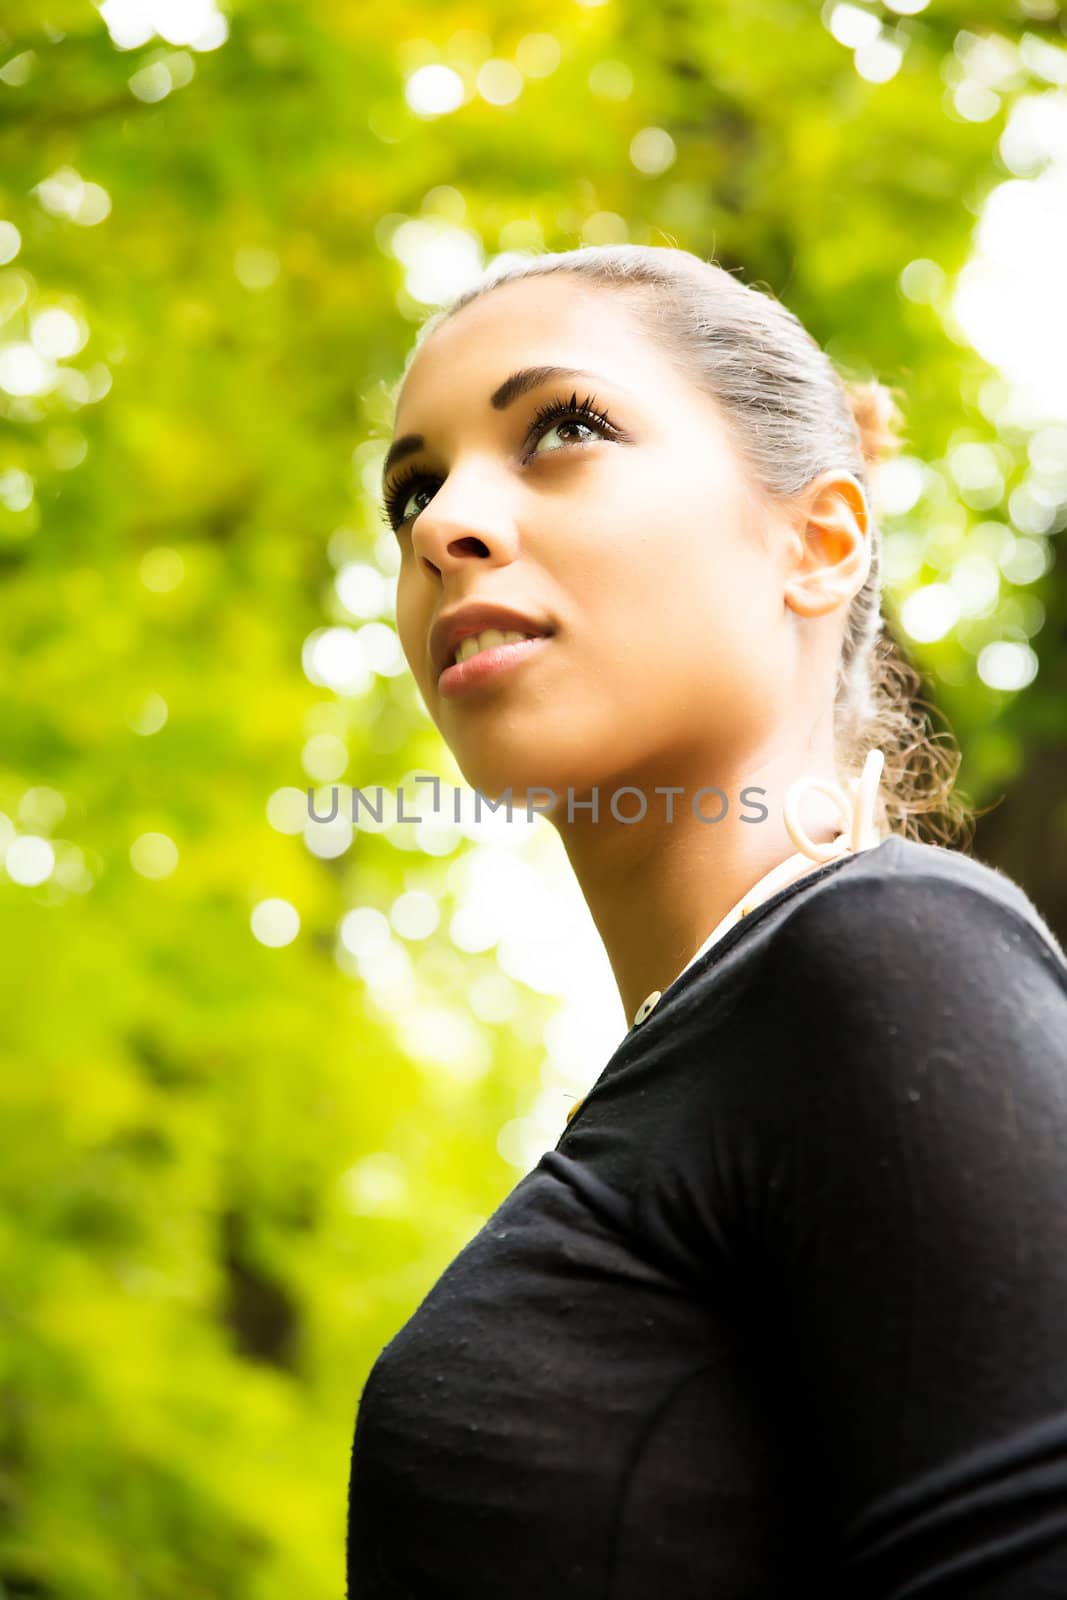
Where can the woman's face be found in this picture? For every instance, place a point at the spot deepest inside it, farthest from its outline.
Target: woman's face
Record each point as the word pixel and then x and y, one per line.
pixel 635 540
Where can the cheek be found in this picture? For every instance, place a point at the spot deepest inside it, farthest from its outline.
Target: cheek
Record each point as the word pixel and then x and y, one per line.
pixel 701 591
pixel 688 628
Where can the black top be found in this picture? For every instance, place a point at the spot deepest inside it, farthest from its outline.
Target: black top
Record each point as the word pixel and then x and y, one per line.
pixel 785 1310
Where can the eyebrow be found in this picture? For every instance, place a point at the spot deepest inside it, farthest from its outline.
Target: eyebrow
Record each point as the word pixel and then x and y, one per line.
pixel 512 389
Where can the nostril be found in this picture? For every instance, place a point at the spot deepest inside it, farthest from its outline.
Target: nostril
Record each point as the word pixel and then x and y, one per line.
pixel 468 546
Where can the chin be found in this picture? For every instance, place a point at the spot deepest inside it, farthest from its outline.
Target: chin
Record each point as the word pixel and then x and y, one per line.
pixel 494 780
pixel 493 774
pixel 536 746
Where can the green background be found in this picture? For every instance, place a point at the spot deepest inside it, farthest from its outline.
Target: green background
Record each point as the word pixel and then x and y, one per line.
pixel 226 1178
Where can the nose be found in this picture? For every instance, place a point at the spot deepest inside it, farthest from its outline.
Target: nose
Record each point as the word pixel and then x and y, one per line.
pixel 464 522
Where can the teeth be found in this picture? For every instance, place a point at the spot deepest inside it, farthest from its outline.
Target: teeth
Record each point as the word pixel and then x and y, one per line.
pixel 486 640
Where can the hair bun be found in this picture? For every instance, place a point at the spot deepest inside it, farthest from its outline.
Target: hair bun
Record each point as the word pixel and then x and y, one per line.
pixel 879 419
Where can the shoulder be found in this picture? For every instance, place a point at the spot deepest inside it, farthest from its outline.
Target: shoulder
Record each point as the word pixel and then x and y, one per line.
pixel 921 999
pixel 912 903
pixel 918 959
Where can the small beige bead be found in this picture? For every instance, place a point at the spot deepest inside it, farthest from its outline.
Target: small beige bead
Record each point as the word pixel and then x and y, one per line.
pixel 646 1008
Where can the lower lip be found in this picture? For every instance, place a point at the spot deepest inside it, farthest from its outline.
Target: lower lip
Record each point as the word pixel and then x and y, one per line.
pixel 486 665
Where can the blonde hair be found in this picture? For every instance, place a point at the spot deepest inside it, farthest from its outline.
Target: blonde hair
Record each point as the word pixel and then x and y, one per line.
pixel 791 415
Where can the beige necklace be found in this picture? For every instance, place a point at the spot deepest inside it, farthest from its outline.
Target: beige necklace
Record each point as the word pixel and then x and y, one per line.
pixel 857 804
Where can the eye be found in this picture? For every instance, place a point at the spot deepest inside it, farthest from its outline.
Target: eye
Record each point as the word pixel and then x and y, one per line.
pixel 583 414
pixel 400 491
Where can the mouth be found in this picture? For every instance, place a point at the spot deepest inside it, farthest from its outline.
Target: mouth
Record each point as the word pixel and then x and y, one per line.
pixel 478 627
pixel 484 657
pixel 475 644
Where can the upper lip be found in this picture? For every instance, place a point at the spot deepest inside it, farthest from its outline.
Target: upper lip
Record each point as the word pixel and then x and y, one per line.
pixel 453 626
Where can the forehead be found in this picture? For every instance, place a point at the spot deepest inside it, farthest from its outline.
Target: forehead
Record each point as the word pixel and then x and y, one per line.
pixel 550 319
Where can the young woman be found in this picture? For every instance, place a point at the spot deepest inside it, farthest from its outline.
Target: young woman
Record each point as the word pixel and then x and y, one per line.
pixel 785 1310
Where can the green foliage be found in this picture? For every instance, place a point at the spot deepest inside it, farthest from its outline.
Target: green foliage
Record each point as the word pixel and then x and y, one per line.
pixel 197 1266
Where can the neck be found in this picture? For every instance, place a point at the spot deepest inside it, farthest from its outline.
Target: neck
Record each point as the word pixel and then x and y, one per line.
pixel 656 888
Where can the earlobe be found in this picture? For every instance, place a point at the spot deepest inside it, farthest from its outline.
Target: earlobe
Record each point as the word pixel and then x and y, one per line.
pixel 818 594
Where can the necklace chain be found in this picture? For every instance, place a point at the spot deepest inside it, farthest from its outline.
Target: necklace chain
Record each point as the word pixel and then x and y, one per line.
pixel 861 832
pixel 857 803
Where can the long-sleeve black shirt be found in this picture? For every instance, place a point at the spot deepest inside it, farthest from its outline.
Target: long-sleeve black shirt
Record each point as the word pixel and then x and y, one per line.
pixel 785 1310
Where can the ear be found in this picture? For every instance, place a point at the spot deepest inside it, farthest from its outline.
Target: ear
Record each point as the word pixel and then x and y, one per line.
pixel 830 548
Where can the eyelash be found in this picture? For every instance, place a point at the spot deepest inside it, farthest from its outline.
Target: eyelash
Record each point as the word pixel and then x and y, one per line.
pixel 558 410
